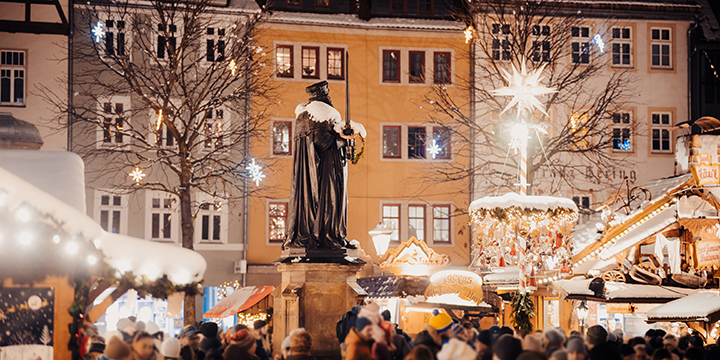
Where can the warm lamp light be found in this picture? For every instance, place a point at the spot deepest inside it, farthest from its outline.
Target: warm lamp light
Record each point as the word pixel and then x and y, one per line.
pixel 381 238
pixel 582 314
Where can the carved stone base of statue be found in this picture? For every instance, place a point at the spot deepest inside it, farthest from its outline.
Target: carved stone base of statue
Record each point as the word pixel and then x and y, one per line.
pixel 314 296
pixel 330 256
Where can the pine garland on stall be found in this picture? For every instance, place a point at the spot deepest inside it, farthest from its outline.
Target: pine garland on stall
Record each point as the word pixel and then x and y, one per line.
pixel 523 309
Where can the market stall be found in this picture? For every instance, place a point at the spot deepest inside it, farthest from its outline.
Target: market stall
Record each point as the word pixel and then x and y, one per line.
pixel 701 311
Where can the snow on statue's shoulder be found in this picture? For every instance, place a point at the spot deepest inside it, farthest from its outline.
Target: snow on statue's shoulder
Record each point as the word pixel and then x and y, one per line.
pixel 319 111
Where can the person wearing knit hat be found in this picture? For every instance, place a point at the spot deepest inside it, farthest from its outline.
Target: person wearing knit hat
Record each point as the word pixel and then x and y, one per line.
pixel 117 349
pixel 244 340
pixel 263 343
pixel 435 331
pixel 358 341
pixel 285 345
pixel 559 354
pixel 456 349
pixel 170 349
pixel 300 345
pixel 440 321
pixel 599 346
pixel 507 347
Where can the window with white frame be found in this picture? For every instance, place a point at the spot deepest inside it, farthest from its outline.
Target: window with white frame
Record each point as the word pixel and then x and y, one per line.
pixel 501 42
pixel 580 44
pixel 621 46
pixel 541 43
pixel 214 129
pixel 214 44
pixel 310 62
pixel 284 60
pixel 277 220
pixel 661 47
pixel 113 119
pixel 391 65
pixel 429 222
pixel 166 43
pixel 12 77
pixel 115 27
pixel 162 221
pixel 441 67
pixel 415 141
pixel 660 123
pixel 160 133
pixel 582 201
pixel 111 211
pixel 211 221
pixel 282 137
pixel 416 66
pixel 622 132
pixel 335 63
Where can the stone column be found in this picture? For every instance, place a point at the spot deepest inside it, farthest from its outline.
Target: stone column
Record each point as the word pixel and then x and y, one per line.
pixel 314 296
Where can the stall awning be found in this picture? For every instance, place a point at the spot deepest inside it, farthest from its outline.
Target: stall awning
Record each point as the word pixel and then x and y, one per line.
pixel 616 292
pixel 701 306
pixel 640 232
pixel 240 300
pixel 379 287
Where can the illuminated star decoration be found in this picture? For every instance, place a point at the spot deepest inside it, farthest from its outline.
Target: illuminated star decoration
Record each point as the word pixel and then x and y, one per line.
pixel 435 149
pixel 597 40
pixel 137 175
pixel 468 33
pixel 233 67
pixel 515 144
pixel 98 31
pixel 255 172
pixel 524 87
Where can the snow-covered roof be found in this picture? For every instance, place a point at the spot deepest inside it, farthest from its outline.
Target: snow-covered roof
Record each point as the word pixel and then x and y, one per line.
pixel 641 232
pixel 352 20
pixel 58 173
pixel 699 306
pixel 616 291
pixel 523 202
pixel 586 233
pixel 510 274
pixel 124 253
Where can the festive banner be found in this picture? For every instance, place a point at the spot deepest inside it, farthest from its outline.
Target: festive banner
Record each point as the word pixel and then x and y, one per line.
pixel 705 174
pixel 708 253
pixel 26 323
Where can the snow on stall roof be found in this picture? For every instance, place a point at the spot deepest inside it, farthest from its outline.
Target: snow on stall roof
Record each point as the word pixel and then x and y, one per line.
pixel 510 274
pixel 523 201
pixel 617 290
pixel 58 173
pixel 350 20
pixel 641 232
pixel 698 306
pixel 586 233
pixel 124 253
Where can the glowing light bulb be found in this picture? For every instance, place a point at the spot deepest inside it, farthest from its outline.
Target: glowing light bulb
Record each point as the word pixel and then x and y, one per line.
pixel 92 260
pixel 72 248
pixel 23 215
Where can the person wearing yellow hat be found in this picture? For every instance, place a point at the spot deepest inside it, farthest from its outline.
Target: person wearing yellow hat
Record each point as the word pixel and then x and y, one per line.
pixel 436 331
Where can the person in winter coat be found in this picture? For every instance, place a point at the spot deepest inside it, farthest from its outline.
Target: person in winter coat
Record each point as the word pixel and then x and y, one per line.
pixel 117 349
pixel 600 349
pixel 457 347
pixel 420 352
pixel 210 344
pixel 384 349
pixel 436 331
pixel 242 346
pixel 263 344
pixel 359 340
pixel 143 347
pixel 300 345
pixel 507 347
pixel 170 349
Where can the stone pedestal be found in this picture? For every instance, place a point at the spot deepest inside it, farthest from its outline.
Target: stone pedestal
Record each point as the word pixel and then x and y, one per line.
pixel 314 296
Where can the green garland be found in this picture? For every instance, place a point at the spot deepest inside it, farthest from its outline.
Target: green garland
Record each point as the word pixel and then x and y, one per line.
pixel 523 309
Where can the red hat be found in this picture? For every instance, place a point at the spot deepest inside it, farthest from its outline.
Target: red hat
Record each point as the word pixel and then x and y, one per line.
pixel 243 339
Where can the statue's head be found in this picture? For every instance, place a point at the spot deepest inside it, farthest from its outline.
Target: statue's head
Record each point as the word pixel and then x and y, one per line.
pixel 320 92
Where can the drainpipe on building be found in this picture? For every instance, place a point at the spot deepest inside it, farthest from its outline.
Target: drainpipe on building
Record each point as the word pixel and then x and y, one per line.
pixel 71 34
pixel 246 183
pixel 472 136
pixel 691 53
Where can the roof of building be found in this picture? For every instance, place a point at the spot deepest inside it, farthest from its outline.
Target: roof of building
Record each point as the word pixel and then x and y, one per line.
pixel 352 20
pixel 16 130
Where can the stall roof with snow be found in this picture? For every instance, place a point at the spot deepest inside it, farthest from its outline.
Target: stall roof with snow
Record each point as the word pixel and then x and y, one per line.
pixel 701 306
pixel 617 292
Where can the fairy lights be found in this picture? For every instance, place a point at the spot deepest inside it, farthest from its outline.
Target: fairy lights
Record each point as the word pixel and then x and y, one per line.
pixel 468 33
pixel 233 67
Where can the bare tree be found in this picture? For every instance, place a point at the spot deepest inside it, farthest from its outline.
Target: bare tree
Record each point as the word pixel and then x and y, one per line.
pixel 166 87
pixel 578 148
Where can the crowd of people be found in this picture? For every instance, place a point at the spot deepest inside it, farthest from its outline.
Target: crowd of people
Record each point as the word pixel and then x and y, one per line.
pixel 365 333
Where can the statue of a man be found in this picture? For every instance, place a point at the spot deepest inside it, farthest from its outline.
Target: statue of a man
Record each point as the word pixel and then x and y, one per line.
pixel 317 214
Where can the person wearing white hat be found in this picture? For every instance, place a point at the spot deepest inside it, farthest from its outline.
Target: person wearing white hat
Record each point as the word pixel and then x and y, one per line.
pixel 170 349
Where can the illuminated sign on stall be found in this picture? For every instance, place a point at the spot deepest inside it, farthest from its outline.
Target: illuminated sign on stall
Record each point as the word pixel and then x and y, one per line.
pixel 413 258
pixel 708 253
pixel 456 287
pixel 705 172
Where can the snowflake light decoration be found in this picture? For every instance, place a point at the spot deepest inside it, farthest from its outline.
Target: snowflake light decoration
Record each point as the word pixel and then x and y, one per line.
pixel 524 87
pixel 98 31
pixel 255 172
pixel 137 175
pixel 233 67
pixel 435 149
pixel 597 40
pixel 468 33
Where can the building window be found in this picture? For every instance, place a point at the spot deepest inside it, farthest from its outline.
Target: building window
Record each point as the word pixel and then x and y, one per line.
pixel 541 44
pixel 277 218
pixel 322 3
pixel 622 140
pixel 161 134
pixel 294 2
pixel 398 6
pixel 416 142
pixel 417 66
pixel 440 146
pixel 416 221
pixel 114 37
pixel 425 7
pixel 661 44
pixel 215 44
pixel 113 122
pixel 501 49
pixel 162 213
pixel 580 44
pixel 441 223
pixel 214 129
pixel 12 77
pixel 335 63
pixel 582 201
pixel 391 218
pixel 211 222
pixel 310 62
pixel 660 124
pixel 391 66
pixel 284 60
pixel 621 42
pixel 166 40
pixel 442 67
pixel 391 142
pixel 282 138
pixel 112 212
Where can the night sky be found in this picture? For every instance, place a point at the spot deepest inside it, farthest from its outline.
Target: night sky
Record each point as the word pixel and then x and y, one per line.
pixel 25 313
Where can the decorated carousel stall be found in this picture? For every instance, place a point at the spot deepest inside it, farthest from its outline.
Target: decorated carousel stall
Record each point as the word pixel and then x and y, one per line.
pixel 59 269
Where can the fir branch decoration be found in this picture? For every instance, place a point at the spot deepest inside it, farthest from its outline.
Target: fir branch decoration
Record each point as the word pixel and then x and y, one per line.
pixel 523 309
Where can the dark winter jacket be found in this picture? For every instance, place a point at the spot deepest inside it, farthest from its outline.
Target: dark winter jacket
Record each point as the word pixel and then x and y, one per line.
pixel 430 338
pixel 260 351
pixel 300 357
pixel 402 348
pixel 605 351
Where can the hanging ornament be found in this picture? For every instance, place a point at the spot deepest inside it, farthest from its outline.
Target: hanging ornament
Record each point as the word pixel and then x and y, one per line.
pixel 532 283
pixel 501 263
pixel 513 251
pixel 565 269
